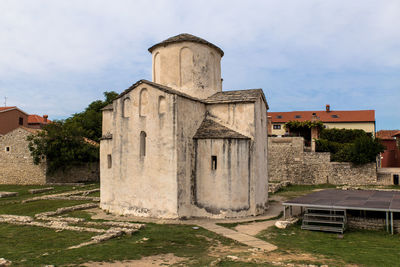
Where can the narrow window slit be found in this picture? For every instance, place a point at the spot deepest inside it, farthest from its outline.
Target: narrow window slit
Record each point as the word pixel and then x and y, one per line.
pixel 109 161
pixel 142 144
pixel 213 163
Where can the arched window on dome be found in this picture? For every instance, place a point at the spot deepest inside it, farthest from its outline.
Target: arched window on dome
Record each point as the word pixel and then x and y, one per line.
pixel 186 67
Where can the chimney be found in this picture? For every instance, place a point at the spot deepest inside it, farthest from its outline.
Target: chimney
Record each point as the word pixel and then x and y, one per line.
pixel 45 118
pixel 328 108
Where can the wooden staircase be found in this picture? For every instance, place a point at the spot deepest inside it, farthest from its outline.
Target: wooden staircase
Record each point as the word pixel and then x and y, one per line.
pixel 327 220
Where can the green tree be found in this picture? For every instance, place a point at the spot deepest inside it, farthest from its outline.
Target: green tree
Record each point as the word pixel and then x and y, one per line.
pixel 90 120
pixel 64 143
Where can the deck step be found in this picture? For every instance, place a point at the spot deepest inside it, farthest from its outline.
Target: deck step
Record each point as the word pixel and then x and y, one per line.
pixel 323 221
pixel 324 215
pixel 323 228
pixel 328 220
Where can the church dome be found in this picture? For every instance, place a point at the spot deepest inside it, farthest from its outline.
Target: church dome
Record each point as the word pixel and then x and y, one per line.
pixel 186 37
pixel 188 64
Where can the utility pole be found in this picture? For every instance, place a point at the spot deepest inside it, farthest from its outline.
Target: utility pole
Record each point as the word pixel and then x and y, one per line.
pixel 5 101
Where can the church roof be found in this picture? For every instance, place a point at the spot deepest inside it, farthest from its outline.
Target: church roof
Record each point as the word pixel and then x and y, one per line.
pixel 210 129
pixel 185 37
pixel 108 107
pixel 160 87
pixel 238 96
pixel 247 95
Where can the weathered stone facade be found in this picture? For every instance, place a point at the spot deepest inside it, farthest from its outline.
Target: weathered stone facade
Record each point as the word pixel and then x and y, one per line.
pixel 16 164
pixel 287 160
pixel 17 167
pixel 180 147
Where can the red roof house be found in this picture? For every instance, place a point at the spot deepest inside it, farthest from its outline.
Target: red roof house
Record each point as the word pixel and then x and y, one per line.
pixel 390 158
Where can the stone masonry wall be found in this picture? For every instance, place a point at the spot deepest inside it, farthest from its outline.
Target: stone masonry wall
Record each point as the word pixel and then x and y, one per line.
pixel 16 164
pixel 86 173
pixel 287 161
pixel 17 167
pixel 370 223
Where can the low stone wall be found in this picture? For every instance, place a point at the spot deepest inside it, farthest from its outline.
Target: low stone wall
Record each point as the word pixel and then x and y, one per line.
pixel 370 223
pixel 287 160
pixel 89 172
pixel 386 175
pixel 275 187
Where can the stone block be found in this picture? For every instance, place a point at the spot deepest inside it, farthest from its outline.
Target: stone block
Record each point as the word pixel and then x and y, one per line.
pixel 8 194
pixel 40 190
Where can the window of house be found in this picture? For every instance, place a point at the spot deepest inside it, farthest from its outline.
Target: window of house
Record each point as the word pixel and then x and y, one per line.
pixel 213 163
pixel 277 126
pixel 279 116
pixel 109 161
pixel 142 144
pixel 21 121
pixel 297 116
pixel 334 116
pixel 7 149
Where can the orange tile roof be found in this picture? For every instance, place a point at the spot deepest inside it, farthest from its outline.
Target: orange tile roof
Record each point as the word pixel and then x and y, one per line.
pixel 90 141
pixel 325 116
pixel 386 134
pixel 6 108
pixel 37 119
pixel 396 134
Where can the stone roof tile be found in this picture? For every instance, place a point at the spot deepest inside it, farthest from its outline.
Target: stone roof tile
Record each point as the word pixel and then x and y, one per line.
pixel 246 95
pixel 185 37
pixel 158 86
pixel 210 129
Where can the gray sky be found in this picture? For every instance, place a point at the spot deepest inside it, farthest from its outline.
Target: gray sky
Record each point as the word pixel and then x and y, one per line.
pixel 58 56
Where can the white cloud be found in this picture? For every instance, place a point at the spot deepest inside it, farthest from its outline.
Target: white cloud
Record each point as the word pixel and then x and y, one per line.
pixel 71 51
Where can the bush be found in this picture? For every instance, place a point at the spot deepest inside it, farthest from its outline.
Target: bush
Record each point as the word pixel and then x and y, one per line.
pixel 355 146
pixel 342 135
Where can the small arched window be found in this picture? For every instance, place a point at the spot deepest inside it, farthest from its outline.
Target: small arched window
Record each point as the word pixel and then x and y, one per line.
pixel 143 102
pixel 126 108
pixel 142 144
pixel 162 105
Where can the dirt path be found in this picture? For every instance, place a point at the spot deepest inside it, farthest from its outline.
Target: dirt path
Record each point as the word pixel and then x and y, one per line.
pixel 151 261
pixel 255 227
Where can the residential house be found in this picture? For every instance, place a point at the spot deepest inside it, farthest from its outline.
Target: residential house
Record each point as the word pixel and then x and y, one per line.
pixel 390 158
pixel 37 122
pixel 341 119
pixel 12 118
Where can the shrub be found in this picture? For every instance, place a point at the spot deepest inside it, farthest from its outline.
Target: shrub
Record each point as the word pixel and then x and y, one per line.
pixel 355 146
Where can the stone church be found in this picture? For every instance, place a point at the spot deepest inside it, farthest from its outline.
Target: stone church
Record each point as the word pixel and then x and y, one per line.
pixel 179 146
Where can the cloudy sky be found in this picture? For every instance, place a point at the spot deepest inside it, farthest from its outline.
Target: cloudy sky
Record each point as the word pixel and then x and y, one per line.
pixel 58 56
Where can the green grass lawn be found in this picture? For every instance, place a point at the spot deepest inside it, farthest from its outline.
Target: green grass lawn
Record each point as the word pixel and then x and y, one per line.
pixel 24 194
pixel 34 207
pixel 34 246
pixel 365 248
